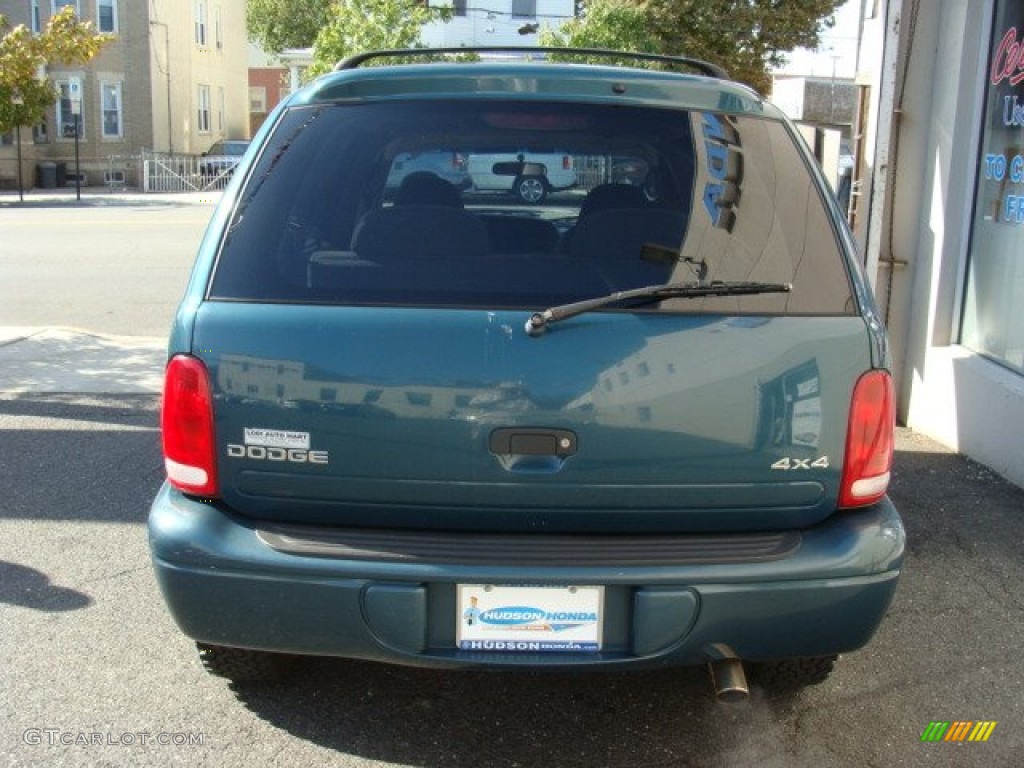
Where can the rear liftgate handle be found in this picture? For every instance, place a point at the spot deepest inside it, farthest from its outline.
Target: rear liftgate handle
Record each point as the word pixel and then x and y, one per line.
pixel 531 449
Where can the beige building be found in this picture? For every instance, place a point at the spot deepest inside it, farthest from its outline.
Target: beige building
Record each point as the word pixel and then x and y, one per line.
pixel 174 79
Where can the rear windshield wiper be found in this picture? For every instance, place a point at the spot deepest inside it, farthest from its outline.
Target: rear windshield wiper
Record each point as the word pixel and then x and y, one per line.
pixel 539 321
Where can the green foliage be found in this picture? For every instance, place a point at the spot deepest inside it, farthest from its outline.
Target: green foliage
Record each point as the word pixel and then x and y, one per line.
pixel 279 24
pixel 745 37
pixel 357 26
pixel 612 24
pixel 65 40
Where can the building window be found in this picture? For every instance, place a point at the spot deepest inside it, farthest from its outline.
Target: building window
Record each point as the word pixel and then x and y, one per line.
pixel 993 312
pixel 218 28
pixel 36 20
pixel 258 99
pixel 71 94
pixel 40 133
pixel 200 20
pixel 203 99
pixel 459 7
pixel 220 109
pixel 524 9
pixel 113 115
pixel 57 5
pixel 106 15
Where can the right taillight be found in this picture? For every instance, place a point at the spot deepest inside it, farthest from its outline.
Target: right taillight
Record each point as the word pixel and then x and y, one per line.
pixel 869 441
pixel 186 421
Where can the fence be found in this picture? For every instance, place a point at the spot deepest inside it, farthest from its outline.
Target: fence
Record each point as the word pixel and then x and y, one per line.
pixel 162 172
pixel 185 173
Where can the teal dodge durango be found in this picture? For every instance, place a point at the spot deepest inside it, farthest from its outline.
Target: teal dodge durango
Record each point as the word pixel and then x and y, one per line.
pixel 638 421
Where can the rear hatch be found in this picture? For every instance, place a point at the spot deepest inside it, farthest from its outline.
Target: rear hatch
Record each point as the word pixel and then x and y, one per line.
pixel 370 364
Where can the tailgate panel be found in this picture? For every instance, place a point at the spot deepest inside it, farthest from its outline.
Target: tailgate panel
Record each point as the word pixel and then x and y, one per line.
pixel 375 416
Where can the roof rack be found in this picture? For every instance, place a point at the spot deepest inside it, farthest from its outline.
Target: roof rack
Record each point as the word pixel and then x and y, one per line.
pixel 703 67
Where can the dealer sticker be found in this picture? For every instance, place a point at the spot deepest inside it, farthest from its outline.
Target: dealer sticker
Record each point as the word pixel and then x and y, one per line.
pixel 276 438
pixel 529 618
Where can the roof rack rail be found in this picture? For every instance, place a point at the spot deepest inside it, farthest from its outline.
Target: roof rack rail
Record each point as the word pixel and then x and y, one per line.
pixel 703 67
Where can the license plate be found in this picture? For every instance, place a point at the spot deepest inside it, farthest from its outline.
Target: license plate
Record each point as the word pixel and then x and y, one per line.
pixel 499 618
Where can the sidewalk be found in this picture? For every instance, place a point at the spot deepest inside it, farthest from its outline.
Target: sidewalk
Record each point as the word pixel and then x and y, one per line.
pixel 103 196
pixel 47 360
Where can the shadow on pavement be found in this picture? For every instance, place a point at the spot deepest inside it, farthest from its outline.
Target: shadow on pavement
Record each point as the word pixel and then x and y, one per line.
pixel 29 588
pixel 90 458
pixel 417 717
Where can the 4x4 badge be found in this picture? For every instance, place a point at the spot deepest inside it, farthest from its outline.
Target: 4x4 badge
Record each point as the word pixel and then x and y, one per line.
pixel 790 464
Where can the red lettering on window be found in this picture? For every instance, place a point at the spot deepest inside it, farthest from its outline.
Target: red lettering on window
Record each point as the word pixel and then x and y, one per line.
pixel 1008 62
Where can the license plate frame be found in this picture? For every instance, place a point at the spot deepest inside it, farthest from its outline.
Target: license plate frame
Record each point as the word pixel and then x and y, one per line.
pixel 524 618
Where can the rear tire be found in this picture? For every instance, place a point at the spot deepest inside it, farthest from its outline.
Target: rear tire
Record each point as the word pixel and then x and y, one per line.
pixel 241 665
pixel 790 675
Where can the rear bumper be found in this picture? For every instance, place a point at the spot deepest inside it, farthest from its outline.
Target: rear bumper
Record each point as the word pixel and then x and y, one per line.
pixel 225 584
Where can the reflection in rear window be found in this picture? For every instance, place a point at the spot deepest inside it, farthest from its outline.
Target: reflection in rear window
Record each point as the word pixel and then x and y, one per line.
pixel 526 205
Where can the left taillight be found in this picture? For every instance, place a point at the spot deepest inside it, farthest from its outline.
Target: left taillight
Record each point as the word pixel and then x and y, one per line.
pixel 186 423
pixel 869 441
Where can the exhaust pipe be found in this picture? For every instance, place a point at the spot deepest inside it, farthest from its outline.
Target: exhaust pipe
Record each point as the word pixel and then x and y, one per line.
pixel 729 680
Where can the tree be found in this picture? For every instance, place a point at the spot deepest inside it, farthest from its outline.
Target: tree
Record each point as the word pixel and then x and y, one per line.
pixel 279 24
pixel 24 96
pixel 615 24
pixel 356 26
pixel 745 37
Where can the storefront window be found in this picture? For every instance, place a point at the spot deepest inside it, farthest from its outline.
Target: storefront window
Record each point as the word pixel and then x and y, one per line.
pixel 993 320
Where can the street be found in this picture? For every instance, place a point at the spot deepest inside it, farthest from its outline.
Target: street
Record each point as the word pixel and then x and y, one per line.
pixel 95 672
pixel 104 266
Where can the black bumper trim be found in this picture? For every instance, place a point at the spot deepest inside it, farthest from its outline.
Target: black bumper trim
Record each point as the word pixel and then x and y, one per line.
pixel 474 549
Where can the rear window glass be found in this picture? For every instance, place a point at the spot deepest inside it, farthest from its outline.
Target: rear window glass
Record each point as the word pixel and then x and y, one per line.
pixel 499 204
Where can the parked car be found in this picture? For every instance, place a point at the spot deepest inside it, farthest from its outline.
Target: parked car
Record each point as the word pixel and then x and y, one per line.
pixel 611 430
pixel 528 176
pixel 445 164
pixel 222 157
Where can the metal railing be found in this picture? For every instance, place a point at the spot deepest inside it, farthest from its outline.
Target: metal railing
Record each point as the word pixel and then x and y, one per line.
pixel 184 173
